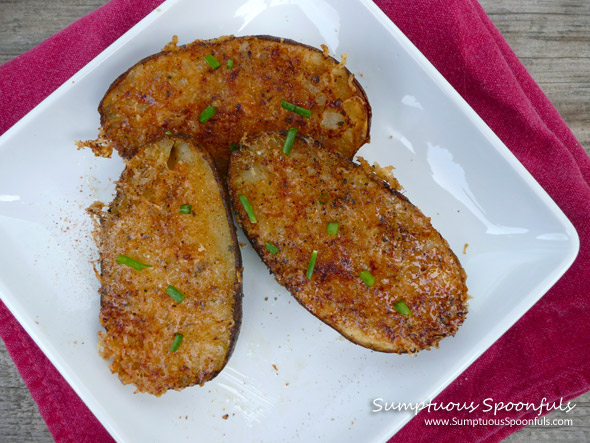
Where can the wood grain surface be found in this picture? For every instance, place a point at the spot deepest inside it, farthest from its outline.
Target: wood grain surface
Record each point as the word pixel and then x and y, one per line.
pixel 551 37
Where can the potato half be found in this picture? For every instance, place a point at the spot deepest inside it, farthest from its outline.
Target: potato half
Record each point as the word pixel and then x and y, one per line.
pixel 169 91
pixel 383 276
pixel 170 212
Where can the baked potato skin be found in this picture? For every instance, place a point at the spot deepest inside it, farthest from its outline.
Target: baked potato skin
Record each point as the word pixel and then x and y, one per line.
pixel 168 91
pixel 379 231
pixel 197 253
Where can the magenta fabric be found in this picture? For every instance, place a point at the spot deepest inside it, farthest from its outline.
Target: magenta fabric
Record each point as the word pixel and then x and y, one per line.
pixel 544 355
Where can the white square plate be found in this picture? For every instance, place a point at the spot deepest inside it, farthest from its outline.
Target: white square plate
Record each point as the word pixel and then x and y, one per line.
pixel 291 377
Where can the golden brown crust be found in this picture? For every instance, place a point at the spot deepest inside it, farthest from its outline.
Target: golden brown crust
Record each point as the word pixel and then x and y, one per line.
pixel 379 231
pixel 197 253
pixel 168 91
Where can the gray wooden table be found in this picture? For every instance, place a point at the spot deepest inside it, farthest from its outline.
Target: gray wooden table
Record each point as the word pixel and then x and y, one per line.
pixel 551 37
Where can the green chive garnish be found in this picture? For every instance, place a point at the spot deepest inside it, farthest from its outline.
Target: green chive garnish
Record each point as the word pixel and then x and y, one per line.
pixel 303 112
pixel 324 198
pixel 209 112
pixel 248 207
pixel 367 278
pixel 332 228
pixel 175 294
pixel 212 61
pixel 230 64
pixel 233 147
pixel 176 343
pixel 296 109
pixel 288 106
pixel 311 265
pixel 124 260
pixel 402 308
pixel 185 209
pixel 168 133
pixel 271 248
pixel 289 141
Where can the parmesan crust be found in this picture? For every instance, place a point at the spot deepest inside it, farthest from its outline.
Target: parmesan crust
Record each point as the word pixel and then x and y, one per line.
pixel 196 253
pixel 295 197
pixel 168 91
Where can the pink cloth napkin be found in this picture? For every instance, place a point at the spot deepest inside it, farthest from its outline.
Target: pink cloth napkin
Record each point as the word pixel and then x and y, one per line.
pixel 544 355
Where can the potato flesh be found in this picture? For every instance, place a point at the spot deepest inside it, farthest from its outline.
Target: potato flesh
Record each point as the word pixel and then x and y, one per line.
pixel 379 231
pixel 168 91
pixel 195 253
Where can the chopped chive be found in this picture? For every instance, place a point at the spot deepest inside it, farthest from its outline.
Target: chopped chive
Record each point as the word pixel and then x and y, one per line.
pixel 289 141
pixel 176 343
pixel 303 112
pixel 367 278
pixel 209 112
pixel 168 133
pixel 402 308
pixel 230 64
pixel 296 109
pixel 248 207
pixel 311 265
pixel 324 198
pixel 212 61
pixel 288 106
pixel 175 294
pixel 233 147
pixel 124 260
pixel 332 228
pixel 271 248
pixel 185 209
